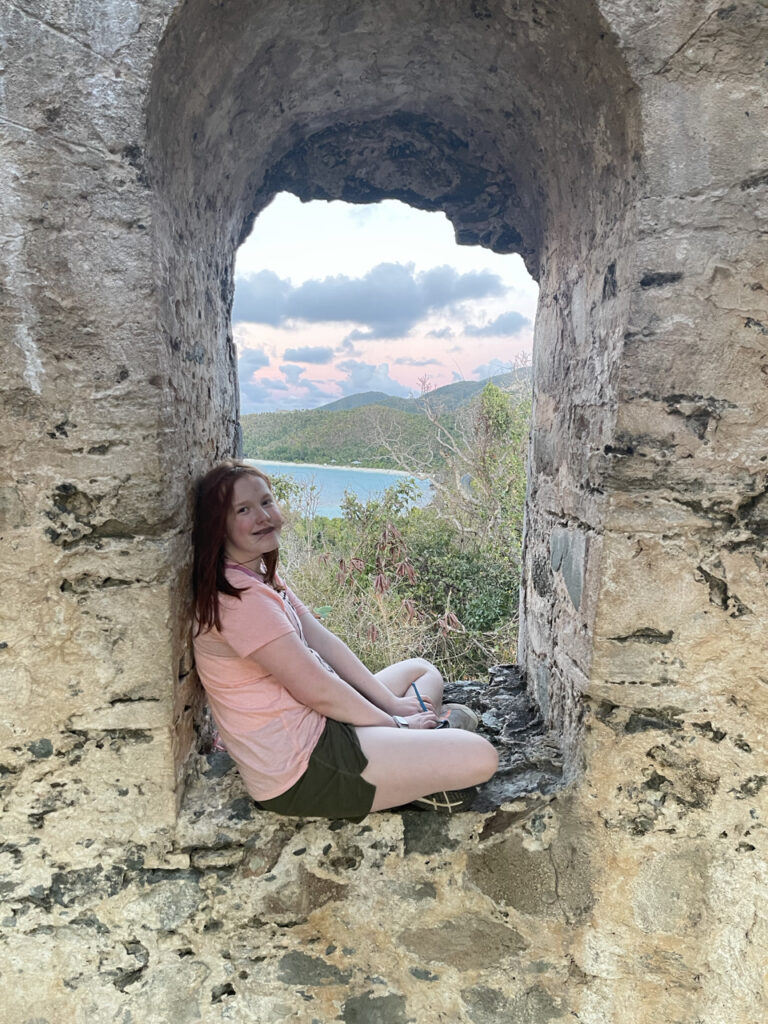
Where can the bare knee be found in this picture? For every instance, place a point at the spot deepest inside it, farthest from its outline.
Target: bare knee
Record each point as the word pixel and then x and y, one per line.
pixel 426 677
pixel 485 760
pixel 428 672
pixel 491 761
pixel 426 667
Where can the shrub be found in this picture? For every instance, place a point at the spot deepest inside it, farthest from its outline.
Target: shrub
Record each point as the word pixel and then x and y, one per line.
pixel 441 582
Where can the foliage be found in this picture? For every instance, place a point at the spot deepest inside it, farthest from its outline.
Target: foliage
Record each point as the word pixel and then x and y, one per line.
pixel 480 588
pixel 482 490
pixel 378 435
pixel 330 437
pixel 368 591
pixel 440 582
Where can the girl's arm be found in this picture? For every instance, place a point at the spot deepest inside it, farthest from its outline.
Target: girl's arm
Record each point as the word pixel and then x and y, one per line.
pixel 350 668
pixel 295 668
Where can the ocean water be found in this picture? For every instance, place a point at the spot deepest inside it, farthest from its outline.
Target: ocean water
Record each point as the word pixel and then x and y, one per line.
pixel 333 481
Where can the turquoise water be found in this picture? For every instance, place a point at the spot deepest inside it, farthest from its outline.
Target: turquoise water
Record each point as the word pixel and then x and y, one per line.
pixel 333 481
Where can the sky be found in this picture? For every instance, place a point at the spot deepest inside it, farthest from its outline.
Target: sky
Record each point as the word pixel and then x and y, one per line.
pixel 333 299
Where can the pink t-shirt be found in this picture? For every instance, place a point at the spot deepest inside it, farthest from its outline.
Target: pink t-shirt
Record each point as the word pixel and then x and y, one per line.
pixel 268 733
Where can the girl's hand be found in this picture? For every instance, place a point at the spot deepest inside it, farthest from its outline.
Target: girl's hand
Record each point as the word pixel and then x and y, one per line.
pixel 422 720
pixel 409 705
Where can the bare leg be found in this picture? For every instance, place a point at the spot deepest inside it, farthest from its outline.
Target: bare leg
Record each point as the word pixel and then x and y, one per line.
pixel 399 677
pixel 404 764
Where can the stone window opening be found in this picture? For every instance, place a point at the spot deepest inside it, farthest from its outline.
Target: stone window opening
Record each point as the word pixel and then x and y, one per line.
pixel 479 146
pixel 529 758
pixel 620 148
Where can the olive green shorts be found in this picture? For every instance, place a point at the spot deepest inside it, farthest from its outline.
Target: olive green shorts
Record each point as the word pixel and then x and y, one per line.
pixel 332 785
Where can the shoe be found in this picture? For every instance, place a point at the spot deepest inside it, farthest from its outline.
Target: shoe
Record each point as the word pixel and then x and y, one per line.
pixel 446 801
pixel 461 717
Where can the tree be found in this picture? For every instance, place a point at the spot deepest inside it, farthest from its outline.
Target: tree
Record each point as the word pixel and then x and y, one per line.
pixel 476 459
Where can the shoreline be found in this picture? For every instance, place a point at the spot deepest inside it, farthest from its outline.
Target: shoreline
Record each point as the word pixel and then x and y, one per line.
pixel 351 469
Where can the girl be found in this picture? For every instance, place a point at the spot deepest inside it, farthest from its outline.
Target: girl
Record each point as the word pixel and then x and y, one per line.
pixel 312 731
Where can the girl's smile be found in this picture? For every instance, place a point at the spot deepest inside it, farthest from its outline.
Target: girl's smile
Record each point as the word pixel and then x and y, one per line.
pixel 253 520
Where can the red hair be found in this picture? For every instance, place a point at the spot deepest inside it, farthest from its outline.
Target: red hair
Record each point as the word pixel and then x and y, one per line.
pixel 213 497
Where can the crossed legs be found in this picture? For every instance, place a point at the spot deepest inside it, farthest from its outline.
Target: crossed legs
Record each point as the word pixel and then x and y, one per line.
pixel 404 764
pixel 399 677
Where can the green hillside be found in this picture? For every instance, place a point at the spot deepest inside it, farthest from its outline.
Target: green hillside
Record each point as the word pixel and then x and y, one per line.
pixel 370 398
pixel 332 437
pixel 349 431
pixel 446 398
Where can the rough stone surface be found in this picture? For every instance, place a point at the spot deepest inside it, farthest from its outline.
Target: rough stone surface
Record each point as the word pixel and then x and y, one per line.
pixel 620 147
pixel 300 919
pixel 530 759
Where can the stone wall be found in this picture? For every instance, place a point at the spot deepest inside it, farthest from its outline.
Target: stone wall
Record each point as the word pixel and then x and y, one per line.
pixel 620 147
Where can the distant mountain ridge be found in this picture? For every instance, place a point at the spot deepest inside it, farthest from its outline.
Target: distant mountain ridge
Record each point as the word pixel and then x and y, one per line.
pixel 368 398
pixel 449 396
pixel 347 431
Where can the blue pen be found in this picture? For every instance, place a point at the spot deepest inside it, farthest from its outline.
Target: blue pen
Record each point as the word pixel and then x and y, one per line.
pixel 423 705
pixel 442 725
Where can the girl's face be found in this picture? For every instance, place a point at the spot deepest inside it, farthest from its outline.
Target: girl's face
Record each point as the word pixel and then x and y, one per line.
pixel 253 521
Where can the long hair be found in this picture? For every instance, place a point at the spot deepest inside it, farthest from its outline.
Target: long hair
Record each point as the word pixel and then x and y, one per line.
pixel 213 497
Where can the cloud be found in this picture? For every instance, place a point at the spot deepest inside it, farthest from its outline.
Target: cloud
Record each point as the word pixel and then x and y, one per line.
pixel 292 374
pixel 491 369
pixel 270 394
pixel 504 325
pixel 443 332
pixel 312 389
pixel 386 303
pixel 368 377
pixel 361 214
pixel 250 360
pixel 263 395
pixel 407 361
pixel 261 298
pixel 347 348
pixel 253 392
pixel 318 354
